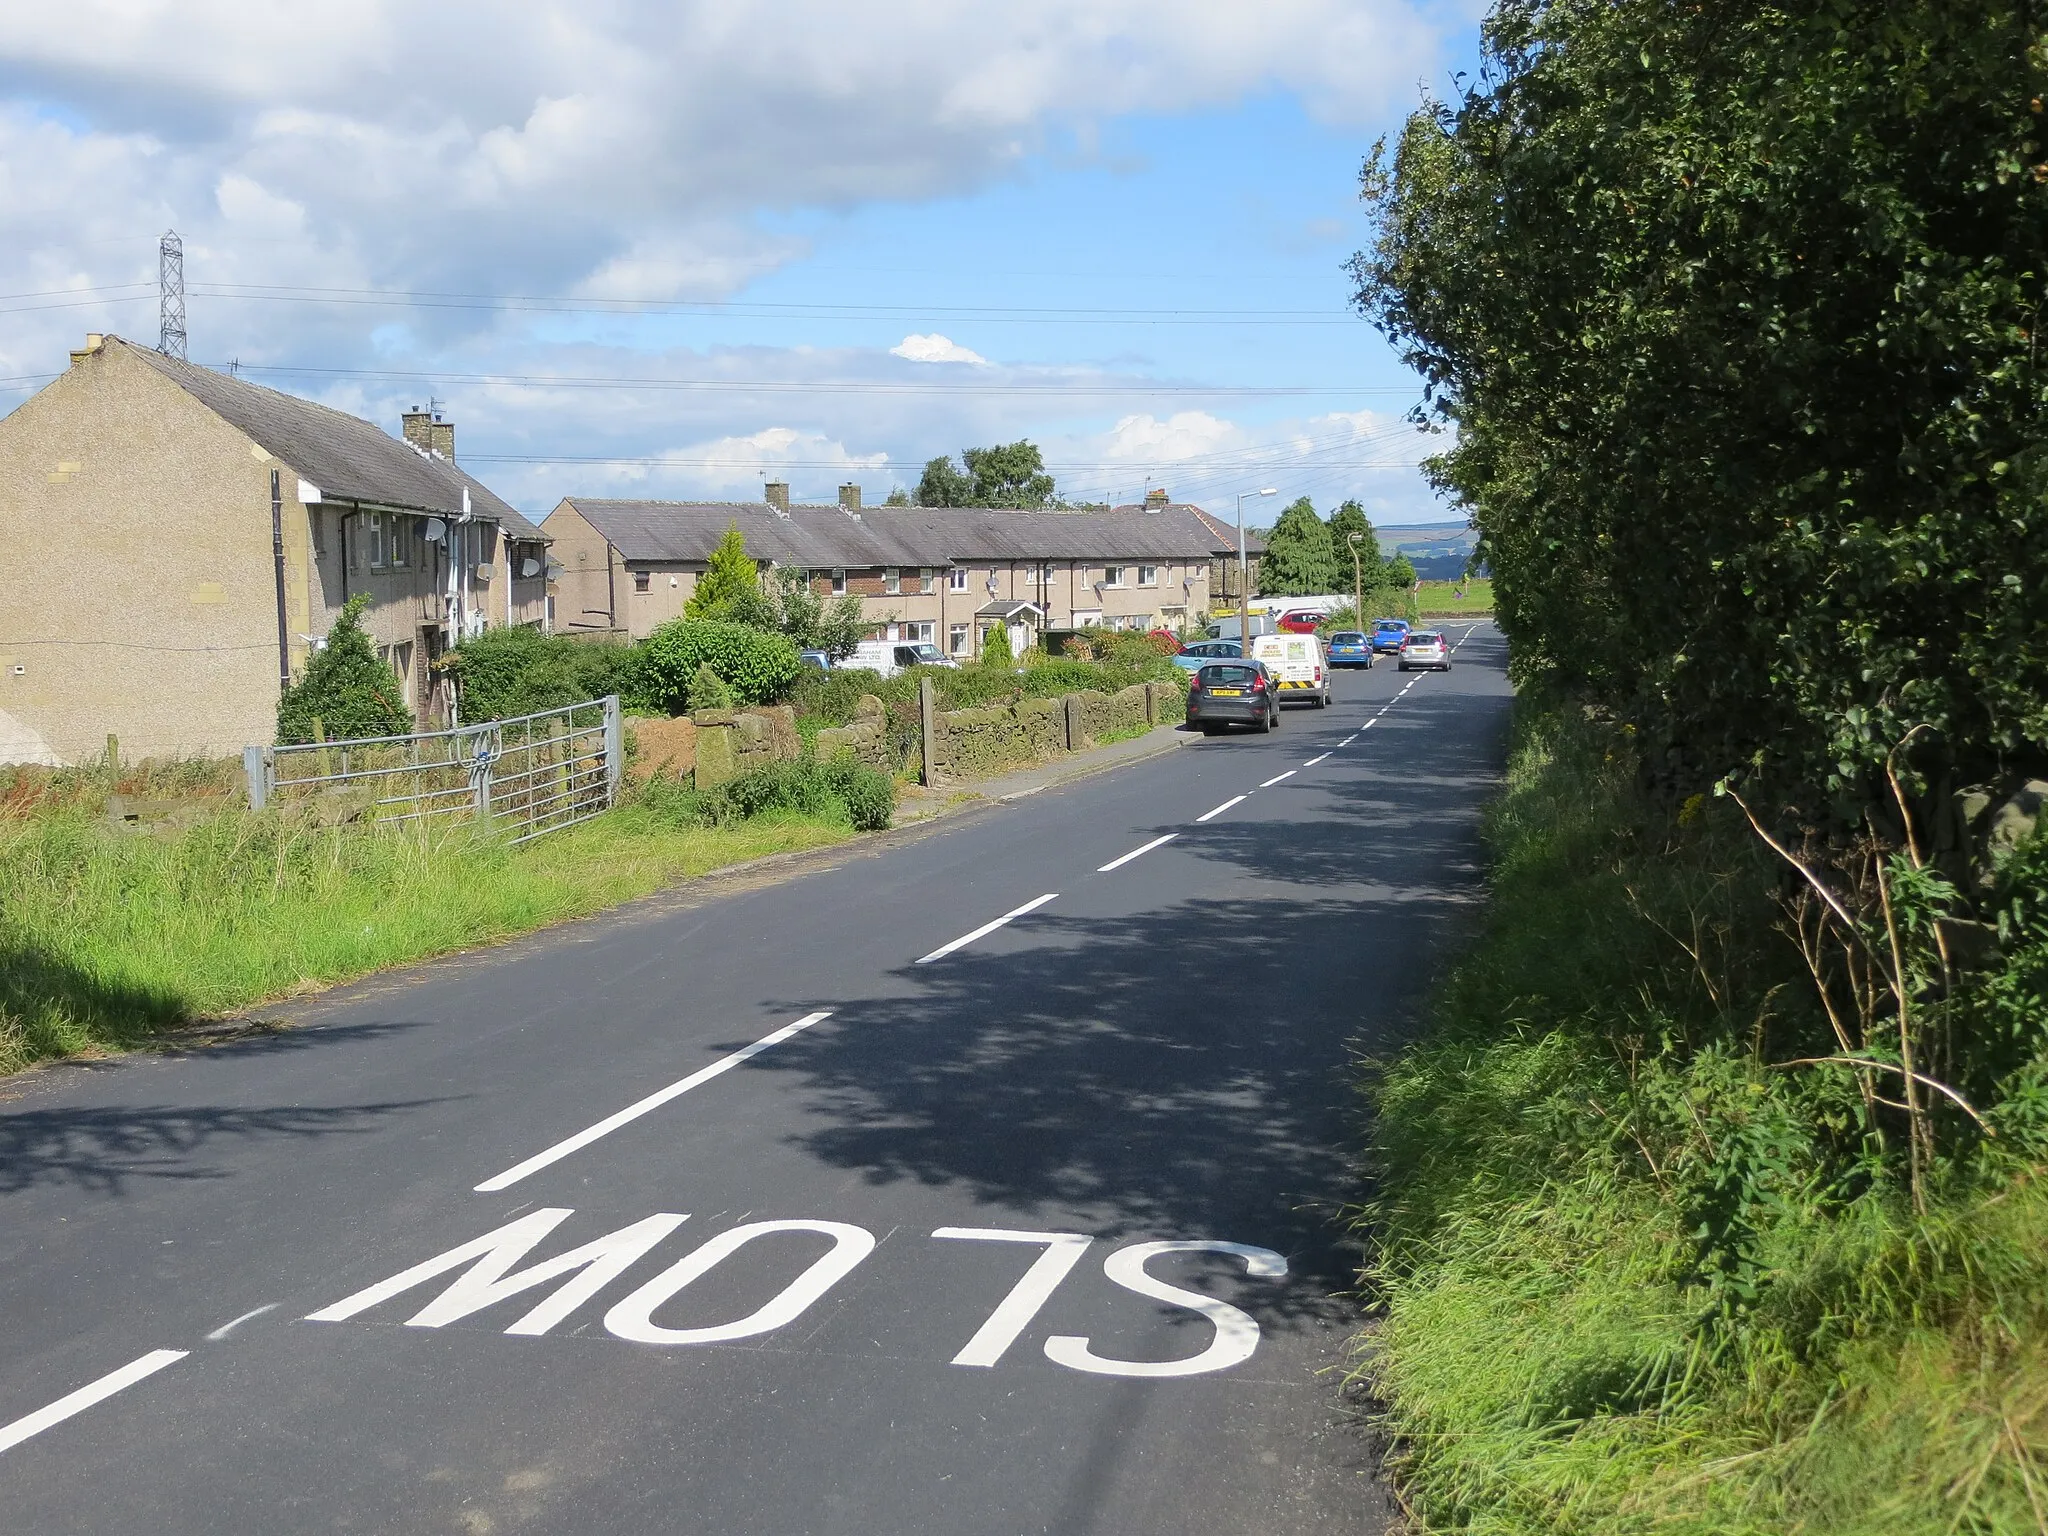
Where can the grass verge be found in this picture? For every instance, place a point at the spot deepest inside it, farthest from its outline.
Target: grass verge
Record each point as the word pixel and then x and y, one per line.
pixel 108 938
pixel 1455 599
pixel 1633 1276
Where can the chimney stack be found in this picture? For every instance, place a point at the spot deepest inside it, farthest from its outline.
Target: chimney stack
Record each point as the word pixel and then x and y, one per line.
pixel 426 431
pixel 93 342
pixel 1156 501
pixel 776 493
pixel 849 496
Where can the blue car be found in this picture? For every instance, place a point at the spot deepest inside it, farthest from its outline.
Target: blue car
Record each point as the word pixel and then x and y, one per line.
pixel 1349 648
pixel 1387 635
pixel 1202 652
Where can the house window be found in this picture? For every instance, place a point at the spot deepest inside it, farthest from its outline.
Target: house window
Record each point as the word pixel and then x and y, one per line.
pixel 401 540
pixel 641 580
pixel 956 639
pixel 892 580
pixel 956 579
pixel 839 583
pixel 921 630
pixel 1045 573
pixel 1148 575
pixel 378 553
pixel 1112 575
pixel 927 579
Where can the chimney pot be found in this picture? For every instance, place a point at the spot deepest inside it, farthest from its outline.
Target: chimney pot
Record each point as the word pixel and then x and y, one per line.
pixel 849 496
pixel 425 430
pixel 776 492
pixel 1156 501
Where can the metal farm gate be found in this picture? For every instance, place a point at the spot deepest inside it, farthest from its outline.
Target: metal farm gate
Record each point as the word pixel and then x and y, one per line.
pixel 531 774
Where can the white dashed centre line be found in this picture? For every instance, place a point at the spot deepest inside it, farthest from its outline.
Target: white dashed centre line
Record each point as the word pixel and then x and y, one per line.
pixel 1278 777
pixel 1314 760
pixel 1135 853
pixel 652 1102
pixel 1351 738
pixel 1226 805
pixel 985 929
pixel 71 1403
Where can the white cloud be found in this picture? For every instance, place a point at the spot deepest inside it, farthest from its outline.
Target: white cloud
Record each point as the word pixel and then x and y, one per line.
pixel 935 349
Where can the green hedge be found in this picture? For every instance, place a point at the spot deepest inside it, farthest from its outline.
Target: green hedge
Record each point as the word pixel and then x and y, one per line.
pixel 840 790
pixel 507 672
pixel 758 666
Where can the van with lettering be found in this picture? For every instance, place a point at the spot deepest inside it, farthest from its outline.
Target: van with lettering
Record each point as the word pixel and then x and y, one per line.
pixel 1298 665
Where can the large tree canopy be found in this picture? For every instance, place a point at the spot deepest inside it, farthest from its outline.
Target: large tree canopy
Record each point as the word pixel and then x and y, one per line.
pixel 1007 475
pixel 1298 556
pixel 1734 309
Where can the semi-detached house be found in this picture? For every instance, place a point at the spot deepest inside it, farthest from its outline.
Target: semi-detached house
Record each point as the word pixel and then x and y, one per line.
pixel 178 540
pixel 943 574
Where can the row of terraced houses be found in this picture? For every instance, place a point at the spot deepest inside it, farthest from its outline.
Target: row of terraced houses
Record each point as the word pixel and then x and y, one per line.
pixel 177 541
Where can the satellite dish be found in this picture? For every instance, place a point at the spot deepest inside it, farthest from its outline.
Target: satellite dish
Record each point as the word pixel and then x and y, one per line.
pixel 436 530
pixel 529 567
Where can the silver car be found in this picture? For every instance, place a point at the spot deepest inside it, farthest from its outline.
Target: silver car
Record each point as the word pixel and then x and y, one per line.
pixel 1426 648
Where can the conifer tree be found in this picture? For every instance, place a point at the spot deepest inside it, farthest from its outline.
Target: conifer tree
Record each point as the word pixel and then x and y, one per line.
pixel 345 688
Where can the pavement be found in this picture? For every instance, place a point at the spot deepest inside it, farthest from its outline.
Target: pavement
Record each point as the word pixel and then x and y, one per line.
pixel 989 1181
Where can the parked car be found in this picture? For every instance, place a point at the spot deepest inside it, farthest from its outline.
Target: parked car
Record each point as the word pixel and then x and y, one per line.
pixel 1426 648
pixel 1297 665
pixel 1193 658
pixel 822 660
pixel 1226 628
pixel 1227 693
pixel 1302 621
pixel 1387 635
pixel 1349 648
pixel 888 657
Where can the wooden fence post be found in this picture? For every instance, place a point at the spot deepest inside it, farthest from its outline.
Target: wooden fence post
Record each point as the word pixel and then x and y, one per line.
pixel 927 716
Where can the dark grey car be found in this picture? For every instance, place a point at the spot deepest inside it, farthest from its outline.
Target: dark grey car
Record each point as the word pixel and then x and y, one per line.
pixel 1227 693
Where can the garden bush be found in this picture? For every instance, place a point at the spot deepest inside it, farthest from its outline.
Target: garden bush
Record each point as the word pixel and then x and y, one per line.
pixel 507 672
pixel 842 790
pixel 758 667
pixel 345 690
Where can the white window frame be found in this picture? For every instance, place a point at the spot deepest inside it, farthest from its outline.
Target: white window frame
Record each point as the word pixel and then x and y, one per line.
pixel 927 579
pixel 958 638
pixel 1148 580
pixel 377 546
pixel 956 579
pixel 920 631
pixel 838 582
pixel 892 580
pixel 1113 575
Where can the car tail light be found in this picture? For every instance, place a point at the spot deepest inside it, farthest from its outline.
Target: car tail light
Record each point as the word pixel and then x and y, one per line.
pixel 1258 685
pixel 1319 674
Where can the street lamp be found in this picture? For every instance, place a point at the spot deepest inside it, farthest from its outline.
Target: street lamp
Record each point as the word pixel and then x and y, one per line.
pixel 1357 580
pixel 1244 603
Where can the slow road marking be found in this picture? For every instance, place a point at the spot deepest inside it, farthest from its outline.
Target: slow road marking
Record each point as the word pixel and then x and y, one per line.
pixel 1135 853
pixel 987 928
pixel 71 1403
pixel 652 1102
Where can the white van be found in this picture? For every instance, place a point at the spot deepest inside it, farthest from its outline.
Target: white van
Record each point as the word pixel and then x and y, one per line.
pixel 888 657
pixel 1297 664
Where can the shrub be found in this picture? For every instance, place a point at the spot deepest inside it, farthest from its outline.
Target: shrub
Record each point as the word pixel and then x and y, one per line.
pixel 708 690
pixel 506 672
pixel 756 666
pixel 345 689
pixel 995 647
pixel 842 790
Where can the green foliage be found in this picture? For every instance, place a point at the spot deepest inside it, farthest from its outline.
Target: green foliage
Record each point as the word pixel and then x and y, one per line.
pixel 898 497
pixel 841 791
pixel 1298 556
pixel 1639 1264
pixel 730 587
pixel 345 688
pixel 756 665
pixel 1734 309
pixel 1008 475
pixel 1347 520
pixel 520 671
pixel 792 606
pixel 1399 572
pixel 708 689
pixel 995 647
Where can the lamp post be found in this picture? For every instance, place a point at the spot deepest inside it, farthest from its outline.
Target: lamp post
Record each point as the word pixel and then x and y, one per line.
pixel 1244 602
pixel 1357 581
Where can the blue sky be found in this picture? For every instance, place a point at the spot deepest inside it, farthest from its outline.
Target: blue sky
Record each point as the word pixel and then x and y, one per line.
pixel 676 251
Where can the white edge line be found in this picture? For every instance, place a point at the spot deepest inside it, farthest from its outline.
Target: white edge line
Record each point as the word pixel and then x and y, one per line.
pixel 1135 853
pixel 71 1403
pixel 1314 760
pixel 653 1101
pixel 1226 805
pixel 986 928
pixel 1290 773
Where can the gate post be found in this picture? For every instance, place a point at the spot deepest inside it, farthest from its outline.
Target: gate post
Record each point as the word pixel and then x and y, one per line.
pixel 256 772
pixel 614 749
pixel 927 711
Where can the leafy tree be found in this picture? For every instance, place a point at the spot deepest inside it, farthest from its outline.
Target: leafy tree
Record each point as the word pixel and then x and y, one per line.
pixel 1010 475
pixel 791 606
pixel 756 665
pixel 1735 309
pixel 345 689
pixel 943 485
pixel 1348 519
pixel 1298 556
pixel 730 587
pixel 520 671
pixel 898 497
pixel 1400 572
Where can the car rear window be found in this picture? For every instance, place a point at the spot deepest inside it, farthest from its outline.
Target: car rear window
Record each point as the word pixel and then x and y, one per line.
pixel 1346 637
pixel 1423 637
pixel 1229 677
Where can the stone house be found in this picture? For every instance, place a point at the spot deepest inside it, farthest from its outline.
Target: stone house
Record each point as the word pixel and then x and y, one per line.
pixel 941 574
pixel 178 541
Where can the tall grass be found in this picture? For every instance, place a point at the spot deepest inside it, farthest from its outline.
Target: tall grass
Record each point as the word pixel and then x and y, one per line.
pixel 1633 1277
pixel 108 937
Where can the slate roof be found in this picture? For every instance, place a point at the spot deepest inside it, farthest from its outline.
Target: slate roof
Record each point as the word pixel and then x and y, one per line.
pixel 820 538
pixel 348 458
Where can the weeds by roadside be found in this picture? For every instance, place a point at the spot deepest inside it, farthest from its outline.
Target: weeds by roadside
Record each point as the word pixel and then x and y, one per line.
pixel 1638 1267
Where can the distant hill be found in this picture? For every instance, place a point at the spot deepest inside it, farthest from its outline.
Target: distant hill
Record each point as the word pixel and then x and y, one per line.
pixel 1438 551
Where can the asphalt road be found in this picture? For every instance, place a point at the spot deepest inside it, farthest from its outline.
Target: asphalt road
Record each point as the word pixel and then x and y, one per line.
pixel 969 1327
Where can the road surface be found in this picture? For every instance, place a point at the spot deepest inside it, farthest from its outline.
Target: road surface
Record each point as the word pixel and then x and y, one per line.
pixel 838 1205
